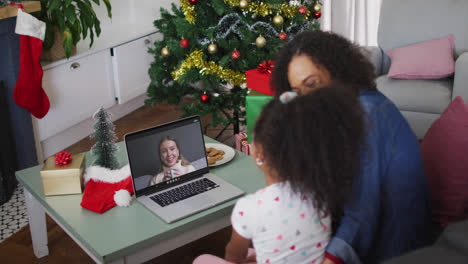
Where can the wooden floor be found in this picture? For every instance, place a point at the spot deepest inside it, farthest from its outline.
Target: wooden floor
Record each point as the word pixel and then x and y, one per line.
pixel 62 249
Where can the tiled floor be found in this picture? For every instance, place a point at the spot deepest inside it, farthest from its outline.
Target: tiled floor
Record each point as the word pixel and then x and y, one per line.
pixel 13 215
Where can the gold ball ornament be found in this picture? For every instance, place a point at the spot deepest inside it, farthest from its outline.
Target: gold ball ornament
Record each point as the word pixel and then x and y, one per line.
pixel 317 7
pixel 212 48
pixel 278 20
pixel 165 52
pixel 243 4
pixel 260 41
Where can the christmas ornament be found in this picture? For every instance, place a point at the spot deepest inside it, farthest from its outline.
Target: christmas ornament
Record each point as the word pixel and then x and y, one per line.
pixel 283 35
pixel 243 4
pixel 317 15
pixel 106 188
pixel 28 92
pixel 204 98
pixel 184 43
pixel 278 20
pixel 317 7
pixel 63 158
pixel 193 2
pixel 212 48
pixel 260 41
pixel 235 55
pixel 165 52
pixel 195 60
pixel 303 10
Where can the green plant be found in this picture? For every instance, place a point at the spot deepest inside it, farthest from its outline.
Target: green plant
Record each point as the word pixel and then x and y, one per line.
pixel 73 18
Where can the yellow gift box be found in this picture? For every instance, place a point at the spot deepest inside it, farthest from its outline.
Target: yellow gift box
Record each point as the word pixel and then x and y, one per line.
pixel 63 179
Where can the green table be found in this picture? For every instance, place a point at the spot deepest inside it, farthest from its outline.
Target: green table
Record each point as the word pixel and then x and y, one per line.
pixel 128 234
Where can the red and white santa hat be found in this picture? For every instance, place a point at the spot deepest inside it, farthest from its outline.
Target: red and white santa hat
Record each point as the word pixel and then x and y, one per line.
pixel 107 188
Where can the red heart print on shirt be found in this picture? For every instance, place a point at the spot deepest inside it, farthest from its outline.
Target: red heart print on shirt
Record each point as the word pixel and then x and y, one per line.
pixel 277 199
pixel 302 216
pixel 293 247
pixel 241 213
pixel 276 250
pixel 319 245
pixel 279 237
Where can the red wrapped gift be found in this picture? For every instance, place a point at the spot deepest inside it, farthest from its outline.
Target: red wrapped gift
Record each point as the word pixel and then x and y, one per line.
pixel 259 79
pixel 246 147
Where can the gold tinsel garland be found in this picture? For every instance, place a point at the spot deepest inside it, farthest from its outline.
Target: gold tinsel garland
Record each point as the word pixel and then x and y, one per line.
pixel 195 59
pixel 263 9
pixel 189 11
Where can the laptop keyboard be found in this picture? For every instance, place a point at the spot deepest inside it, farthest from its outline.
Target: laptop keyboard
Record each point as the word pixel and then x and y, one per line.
pixel 184 192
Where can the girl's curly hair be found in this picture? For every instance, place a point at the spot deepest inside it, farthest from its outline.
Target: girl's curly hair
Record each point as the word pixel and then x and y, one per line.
pixel 314 143
pixel 344 61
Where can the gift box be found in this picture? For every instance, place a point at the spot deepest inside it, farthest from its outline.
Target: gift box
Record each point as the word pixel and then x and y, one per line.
pixel 239 138
pixel 63 179
pixel 254 103
pixel 259 79
pixel 246 147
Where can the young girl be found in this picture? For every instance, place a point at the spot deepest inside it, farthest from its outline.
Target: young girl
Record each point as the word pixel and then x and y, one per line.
pixel 308 148
pixel 173 163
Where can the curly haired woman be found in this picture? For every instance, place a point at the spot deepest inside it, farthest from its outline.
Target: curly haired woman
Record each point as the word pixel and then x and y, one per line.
pixel 389 212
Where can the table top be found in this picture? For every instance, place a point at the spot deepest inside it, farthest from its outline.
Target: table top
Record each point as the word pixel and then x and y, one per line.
pixel 124 230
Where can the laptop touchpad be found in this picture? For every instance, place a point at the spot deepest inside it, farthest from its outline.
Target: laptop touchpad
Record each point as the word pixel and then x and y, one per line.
pixel 200 201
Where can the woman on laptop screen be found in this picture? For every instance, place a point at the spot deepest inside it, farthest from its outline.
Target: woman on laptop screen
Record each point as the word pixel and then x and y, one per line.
pixel 173 163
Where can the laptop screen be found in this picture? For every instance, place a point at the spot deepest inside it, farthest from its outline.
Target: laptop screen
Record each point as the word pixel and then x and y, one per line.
pixel 166 155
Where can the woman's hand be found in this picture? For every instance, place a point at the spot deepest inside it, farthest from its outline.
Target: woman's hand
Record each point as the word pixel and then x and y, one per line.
pixel 176 172
pixel 167 175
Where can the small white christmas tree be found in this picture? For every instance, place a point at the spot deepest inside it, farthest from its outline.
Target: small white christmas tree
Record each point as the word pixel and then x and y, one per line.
pixel 104 150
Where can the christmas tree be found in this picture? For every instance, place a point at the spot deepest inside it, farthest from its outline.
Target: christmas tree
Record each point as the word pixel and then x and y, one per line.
pixel 208 45
pixel 104 150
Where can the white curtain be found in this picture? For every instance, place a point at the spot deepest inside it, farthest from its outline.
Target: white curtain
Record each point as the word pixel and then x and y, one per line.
pixel 356 20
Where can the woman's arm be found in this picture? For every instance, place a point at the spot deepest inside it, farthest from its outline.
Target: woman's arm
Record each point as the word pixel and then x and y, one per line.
pixel 237 248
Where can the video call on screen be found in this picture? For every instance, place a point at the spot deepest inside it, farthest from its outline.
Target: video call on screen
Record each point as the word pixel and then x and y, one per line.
pixel 162 156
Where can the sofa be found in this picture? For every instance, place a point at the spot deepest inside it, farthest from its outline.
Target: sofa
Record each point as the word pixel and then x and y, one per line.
pixel 406 22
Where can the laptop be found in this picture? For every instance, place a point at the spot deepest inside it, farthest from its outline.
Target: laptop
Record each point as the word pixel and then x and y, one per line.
pixel 170 170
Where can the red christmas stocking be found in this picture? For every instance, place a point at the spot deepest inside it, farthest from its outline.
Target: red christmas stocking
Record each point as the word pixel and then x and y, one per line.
pixel 28 91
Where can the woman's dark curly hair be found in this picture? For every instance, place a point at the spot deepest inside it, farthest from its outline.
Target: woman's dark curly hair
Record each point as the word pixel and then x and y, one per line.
pixel 314 143
pixel 344 61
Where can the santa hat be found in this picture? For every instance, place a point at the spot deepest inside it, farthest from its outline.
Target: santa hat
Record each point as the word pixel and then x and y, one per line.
pixel 106 188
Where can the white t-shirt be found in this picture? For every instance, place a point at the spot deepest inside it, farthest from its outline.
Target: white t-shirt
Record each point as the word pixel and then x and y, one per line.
pixel 284 227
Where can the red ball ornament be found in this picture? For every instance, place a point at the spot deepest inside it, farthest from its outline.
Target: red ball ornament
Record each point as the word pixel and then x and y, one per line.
pixel 184 43
pixel 283 36
pixel 204 98
pixel 193 2
pixel 317 15
pixel 235 55
pixel 303 10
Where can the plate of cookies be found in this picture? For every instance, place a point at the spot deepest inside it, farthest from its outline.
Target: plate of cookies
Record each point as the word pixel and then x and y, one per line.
pixel 218 154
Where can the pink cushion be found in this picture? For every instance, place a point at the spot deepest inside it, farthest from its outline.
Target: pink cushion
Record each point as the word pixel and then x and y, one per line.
pixel 424 60
pixel 445 154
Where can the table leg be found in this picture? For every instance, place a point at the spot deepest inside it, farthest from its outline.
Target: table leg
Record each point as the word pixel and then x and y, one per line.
pixel 37 225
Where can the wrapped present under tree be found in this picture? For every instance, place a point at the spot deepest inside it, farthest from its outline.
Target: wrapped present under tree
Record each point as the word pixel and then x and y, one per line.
pixel 254 103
